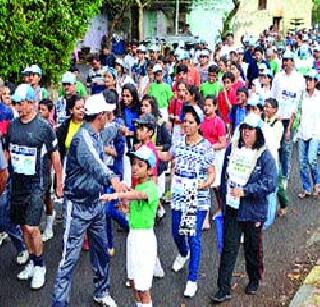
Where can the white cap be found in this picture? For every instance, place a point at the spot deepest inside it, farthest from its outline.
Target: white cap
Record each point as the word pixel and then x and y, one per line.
pixel 96 104
pixel 204 53
pixel 157 68
pixel 120 62
pixel 288 54
pixel 142 48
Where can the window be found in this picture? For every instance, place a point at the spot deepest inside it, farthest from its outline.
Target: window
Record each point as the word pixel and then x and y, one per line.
pixel 262 4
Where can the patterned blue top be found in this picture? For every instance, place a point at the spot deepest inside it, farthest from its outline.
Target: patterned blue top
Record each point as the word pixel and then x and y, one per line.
pixel 191 163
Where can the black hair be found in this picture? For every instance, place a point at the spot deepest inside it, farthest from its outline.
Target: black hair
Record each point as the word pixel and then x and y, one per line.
pixel 48 103
pixel 194 91
pixel 259 143
pixel 243 90
pixel 181 68
pixel 73 100
pixel 154 105
pixel 273 102
pixel 212 97
pixel 111 96
pixel 228 75
pixel 135 106
pixel 190 109
pixel 94 58
pixel 213 68
pixel 258 49
pixel 162 58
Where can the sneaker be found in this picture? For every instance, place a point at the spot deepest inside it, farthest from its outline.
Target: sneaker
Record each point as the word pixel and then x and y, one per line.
pixel 111 252
pixel 179 262
pixel 220 297
pixel 47 235
pixel 242 238
pixel 251 288
pixel 158 270
pixel 27 272
pixel 191 289
pixel 39 277
pixel 106 301
pixel 3 237
pixel 23 257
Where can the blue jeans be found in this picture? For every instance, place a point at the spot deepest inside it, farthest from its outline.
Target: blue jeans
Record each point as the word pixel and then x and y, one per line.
pixel 13 230
pixel 285 152
pixel 308 160
pixel 194 242
pixel 81 218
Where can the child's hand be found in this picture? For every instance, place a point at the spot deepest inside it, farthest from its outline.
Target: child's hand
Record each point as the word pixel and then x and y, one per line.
pixel 109 197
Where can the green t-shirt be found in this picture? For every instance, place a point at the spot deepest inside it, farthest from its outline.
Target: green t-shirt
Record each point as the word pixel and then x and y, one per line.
pixel 274 65
pixel 207 88
pixel 162 92
pixel 143 212
pixel 80 89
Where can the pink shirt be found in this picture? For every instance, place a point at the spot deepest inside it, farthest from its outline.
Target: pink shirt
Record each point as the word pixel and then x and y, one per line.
pixel 223 106
pixel 212 128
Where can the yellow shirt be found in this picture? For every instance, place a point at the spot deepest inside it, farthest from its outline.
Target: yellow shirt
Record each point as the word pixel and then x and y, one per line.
pixel 73 129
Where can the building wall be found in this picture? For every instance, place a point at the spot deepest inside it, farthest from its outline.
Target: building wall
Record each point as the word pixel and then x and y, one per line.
pixel 250 20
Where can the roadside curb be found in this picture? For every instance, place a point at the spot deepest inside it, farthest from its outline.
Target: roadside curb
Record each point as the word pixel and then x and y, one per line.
pixel 308 294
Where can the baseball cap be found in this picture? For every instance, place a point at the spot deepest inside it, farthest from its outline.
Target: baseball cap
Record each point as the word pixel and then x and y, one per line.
pixel 142 48
pixel 157 68
pixel 96 104
pixel 68 78
pixel 253 120
pixel 288 55
pixel 23 92
pixel 312 74
pixel 35 69
pixel 27 70
pixel 120 62
pixel 204 53
pixel 109 69
pixel 146 120
pixel 145 154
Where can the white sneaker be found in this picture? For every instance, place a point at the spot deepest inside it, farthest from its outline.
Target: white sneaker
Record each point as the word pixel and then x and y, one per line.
pixel 27 272
pixel 3 237
pixel 242 238
pixel 191 289
pixel 39 277
pixel 158 270
pixel 23 257
pixel 106 301
pixel 179 262
pixel 47 235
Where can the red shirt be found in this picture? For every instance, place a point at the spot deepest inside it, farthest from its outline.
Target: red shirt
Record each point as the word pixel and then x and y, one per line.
pixel 223 106
pixel 212 128
pixel 175 107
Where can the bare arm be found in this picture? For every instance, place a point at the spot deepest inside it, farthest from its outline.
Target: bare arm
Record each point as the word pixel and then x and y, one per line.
pixel 56 163
pixel 130 195
pixel 221 144
pixel 211 178
pixel 3 179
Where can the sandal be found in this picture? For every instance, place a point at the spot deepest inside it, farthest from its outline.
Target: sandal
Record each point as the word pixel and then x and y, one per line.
pixel 316 190
pixel 281 212
pixel 304 194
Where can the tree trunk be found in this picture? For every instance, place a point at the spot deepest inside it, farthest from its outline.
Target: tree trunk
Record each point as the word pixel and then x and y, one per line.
pixel 141 32
pixel 227 23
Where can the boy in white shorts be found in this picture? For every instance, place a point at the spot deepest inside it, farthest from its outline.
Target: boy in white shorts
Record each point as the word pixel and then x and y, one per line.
pixel 142 243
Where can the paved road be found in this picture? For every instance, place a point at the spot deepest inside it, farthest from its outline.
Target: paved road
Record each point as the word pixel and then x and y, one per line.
pixel 283 243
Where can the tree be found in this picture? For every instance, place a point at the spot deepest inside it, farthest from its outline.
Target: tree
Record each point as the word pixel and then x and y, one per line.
pixel 227 23
pixel 316 12
pixel 44 32
pixel 116 11
pixel 141 6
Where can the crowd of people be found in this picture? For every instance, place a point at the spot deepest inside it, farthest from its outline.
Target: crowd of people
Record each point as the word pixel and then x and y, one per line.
pixel 221 124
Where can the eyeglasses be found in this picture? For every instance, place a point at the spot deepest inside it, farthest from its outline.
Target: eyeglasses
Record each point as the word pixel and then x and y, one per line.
pixel 247 127
pixel 126 96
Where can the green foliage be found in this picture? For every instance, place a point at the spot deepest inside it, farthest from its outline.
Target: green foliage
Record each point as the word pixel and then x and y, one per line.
pixel 316 12
pixel 43 32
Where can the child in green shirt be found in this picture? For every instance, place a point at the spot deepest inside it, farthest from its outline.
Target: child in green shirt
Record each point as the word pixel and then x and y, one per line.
pixel 141 243
pixel 212 86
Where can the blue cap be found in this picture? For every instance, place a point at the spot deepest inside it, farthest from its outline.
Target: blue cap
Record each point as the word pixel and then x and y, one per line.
pixel 23 92
pixel 144 153
pixel 68 78
pixel 111 70
pixel 27 70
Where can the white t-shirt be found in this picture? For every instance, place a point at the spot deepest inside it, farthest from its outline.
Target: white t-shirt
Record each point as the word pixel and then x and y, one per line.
pixel 310 117
pixel 287 89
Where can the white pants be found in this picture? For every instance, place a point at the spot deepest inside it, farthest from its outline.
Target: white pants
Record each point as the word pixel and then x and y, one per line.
pixel 127 168
pixel 141 257
pixel 219 159
pixel 162 184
